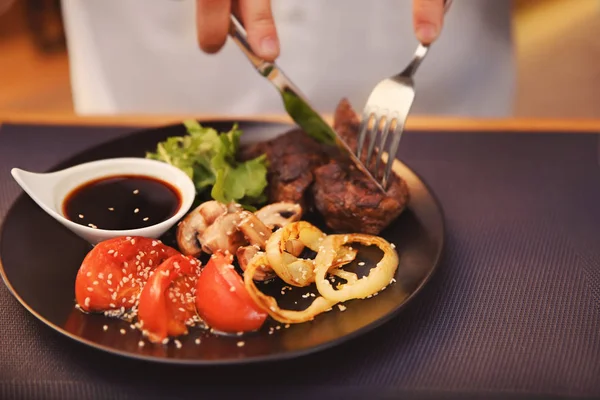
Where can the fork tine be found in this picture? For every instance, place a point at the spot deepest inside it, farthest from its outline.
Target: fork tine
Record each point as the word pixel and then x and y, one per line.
pixel 396 135
pixel 382 141
pixel 364 125
pixel 373 140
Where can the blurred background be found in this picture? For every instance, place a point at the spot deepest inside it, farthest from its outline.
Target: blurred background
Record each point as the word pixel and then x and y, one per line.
pixel 557 49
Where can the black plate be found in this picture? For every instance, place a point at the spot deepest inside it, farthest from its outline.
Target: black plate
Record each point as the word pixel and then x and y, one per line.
pixel 40 259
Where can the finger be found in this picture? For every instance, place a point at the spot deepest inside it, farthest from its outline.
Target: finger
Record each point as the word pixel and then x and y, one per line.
pixel 258 20
pixel 212 21
pixel 428 17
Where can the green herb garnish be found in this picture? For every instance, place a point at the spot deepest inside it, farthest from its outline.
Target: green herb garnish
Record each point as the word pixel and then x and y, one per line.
pixel 209 159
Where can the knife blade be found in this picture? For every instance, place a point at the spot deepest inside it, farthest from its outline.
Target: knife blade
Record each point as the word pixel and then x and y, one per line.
pixel 295 103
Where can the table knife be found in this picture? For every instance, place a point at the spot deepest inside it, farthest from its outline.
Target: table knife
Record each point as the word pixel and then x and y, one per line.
pixel 295 103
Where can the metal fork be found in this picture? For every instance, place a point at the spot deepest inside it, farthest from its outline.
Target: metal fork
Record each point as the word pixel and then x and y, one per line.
pixel 389 105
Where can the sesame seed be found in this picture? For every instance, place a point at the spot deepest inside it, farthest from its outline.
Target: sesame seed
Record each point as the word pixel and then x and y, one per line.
pixel 111 251
pixel 95 283
pixel 81 216
pixel 105 328
pixel 278 327
pixel 177 343
pixel 165 341
pixel 287 326
pixel 181 309
pixel 197 341
pixel 361 263
pixel 232 289
pixel 137 210
pixel 136 191
pixel 112 305
pixel 240 344
pixel 89 289
pixel 393 246
pixel 146 218
pixel 92 226
pixel 109 281
pixel 141 343
pixel 111 209
pixel 88 274
pixel 342 307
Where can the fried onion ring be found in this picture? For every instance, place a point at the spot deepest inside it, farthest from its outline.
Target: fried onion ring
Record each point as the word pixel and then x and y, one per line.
pixel 269 304
pixel 291 269
pixel 378 278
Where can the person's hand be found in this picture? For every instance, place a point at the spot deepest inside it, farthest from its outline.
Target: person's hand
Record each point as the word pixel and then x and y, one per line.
pixel 428 18
pixel 212 19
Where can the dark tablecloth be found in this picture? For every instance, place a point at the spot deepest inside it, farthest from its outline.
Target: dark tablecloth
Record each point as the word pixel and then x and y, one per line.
pixel 513 311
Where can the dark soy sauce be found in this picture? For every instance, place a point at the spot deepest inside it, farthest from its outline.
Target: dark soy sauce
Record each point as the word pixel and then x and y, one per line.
pixel 122 202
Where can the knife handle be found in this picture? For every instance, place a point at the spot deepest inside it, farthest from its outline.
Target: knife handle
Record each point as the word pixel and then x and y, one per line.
pixel 239 36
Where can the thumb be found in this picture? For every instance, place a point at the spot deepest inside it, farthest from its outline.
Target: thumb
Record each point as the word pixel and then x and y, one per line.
pixel 428 17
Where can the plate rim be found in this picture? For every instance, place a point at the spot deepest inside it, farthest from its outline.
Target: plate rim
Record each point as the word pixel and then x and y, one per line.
pixel 229 361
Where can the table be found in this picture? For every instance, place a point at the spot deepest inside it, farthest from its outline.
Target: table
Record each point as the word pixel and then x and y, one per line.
pixel 513 312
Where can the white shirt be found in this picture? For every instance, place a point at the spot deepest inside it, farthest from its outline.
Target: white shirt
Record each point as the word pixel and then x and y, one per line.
pixel 142 56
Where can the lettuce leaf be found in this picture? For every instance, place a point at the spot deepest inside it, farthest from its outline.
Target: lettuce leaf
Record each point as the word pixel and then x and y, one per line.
pixel 209 159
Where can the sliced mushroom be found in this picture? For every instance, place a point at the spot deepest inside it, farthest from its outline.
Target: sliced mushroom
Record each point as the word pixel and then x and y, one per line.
pixel 194 225
pixel 278 215
pixel 254 230
pixel 223 235
pixel 234 207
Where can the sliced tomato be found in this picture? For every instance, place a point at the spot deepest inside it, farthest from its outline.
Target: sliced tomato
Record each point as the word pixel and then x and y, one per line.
pixel 222 300
pixel 166 306
pixel 113 273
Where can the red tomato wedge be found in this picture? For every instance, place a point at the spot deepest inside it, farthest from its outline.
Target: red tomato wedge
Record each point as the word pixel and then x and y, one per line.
pixel 222 300
pixel 166 305
pixel 113 273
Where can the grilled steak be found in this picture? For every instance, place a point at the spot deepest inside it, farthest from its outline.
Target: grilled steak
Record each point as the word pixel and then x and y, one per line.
pixel 292 158
pixel 345 197
pixel 303 171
